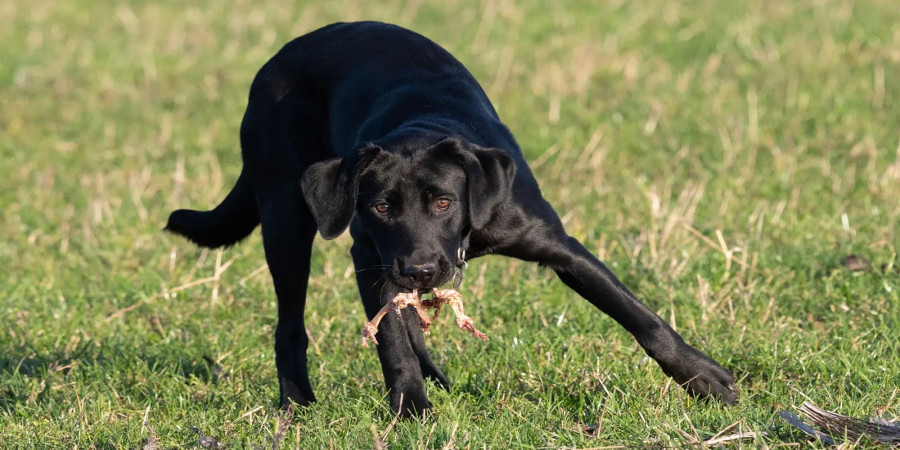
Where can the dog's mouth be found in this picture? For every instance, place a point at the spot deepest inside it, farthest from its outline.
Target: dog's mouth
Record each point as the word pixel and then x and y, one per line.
pixel 421 286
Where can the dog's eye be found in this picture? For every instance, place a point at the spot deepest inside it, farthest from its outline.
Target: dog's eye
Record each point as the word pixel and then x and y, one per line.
pixel 442 204
pixel 382 208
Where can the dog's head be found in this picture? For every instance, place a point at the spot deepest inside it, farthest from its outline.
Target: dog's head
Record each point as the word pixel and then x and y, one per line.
pixel 415 206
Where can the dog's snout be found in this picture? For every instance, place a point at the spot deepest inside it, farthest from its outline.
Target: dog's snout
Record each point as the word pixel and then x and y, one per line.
pixel 419 274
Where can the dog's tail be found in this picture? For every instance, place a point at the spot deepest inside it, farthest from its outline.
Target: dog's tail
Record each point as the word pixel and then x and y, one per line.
pixel 233 220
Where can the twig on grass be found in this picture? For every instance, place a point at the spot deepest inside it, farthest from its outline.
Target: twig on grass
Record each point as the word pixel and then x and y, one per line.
pixel 151 442
pixel 220 268
pixel 252 274
pixel 810 431
pixel 875 429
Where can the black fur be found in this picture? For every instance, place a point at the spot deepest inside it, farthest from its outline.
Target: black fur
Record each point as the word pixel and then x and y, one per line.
pixel 376 128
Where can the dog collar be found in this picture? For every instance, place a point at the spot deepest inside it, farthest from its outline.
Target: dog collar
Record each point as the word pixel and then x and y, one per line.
pixel 461 266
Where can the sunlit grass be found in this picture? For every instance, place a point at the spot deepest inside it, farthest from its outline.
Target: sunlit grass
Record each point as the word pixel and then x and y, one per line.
pixel 721 157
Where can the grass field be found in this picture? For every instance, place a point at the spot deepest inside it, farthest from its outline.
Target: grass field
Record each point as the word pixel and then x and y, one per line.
pixel 721 157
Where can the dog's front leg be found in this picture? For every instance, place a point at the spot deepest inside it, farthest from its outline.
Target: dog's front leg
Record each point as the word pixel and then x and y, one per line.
pixel 399 360
pixel 546 242
pixel 696 372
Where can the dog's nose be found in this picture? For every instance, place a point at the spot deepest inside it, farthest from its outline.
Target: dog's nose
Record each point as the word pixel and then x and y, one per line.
pixel 420 274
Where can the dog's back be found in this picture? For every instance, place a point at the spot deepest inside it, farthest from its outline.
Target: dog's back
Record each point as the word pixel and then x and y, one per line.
pixel 375 82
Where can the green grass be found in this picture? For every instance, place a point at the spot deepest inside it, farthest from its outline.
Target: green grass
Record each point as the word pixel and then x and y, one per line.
pixel 721 157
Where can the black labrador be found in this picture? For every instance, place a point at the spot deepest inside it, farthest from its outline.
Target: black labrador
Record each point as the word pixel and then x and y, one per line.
pixel 376 128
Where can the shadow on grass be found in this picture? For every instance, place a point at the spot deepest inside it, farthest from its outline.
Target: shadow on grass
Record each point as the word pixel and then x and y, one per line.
pixel 30 375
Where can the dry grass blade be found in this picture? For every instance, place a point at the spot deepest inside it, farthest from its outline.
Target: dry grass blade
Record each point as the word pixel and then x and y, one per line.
pixel 693 440
pixel 452 439
pixel 721 437
pixel 754 435
pixel 381 440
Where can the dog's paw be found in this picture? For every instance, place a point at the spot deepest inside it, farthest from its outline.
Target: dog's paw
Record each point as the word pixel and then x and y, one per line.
pixel 291 395
pixel 432 372
pixel 702 376
pixel 409 402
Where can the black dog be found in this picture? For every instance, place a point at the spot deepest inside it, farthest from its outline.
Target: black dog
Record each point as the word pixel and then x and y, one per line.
pixel 376 128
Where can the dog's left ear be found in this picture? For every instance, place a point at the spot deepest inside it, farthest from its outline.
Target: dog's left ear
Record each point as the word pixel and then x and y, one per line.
pixel 489 177
pixel 330 189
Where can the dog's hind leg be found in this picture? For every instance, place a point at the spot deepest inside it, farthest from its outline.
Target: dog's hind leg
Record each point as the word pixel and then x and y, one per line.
pixel 288 232
pixel 276 149
pixel 400 354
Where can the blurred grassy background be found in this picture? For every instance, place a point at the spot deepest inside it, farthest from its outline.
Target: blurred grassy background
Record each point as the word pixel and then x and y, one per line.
pixel 721 157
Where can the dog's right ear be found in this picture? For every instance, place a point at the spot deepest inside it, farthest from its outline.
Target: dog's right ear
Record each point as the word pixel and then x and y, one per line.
pixel 330 188
pixel 489 176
